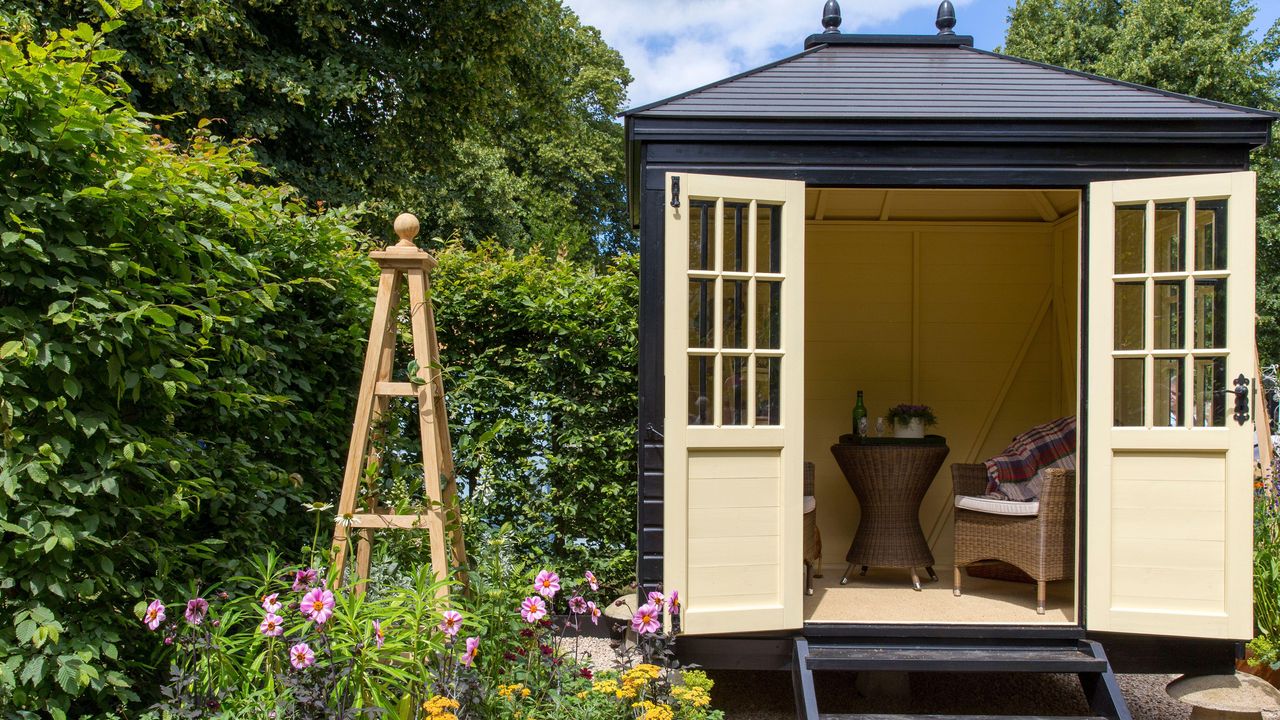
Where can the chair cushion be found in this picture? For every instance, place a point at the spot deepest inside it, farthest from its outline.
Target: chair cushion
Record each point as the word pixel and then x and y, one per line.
pixel 1031 451
pixel 810 504
pixel 997 507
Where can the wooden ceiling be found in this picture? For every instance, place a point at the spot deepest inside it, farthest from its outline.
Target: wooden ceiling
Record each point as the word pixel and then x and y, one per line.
pixel 1038 206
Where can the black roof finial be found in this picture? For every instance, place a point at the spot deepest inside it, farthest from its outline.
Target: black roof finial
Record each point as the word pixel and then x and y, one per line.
pixel 831 17
pixel 946 18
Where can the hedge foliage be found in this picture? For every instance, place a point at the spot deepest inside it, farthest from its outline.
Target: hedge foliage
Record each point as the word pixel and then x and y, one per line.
pixel 180 342
pixel 540 359
pixel 176 353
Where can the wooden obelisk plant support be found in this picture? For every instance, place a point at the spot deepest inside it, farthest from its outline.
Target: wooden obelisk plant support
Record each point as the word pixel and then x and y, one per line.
pixel 358 516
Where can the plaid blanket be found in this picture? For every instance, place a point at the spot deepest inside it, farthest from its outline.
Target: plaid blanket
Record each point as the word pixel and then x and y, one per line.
pixel 1041 446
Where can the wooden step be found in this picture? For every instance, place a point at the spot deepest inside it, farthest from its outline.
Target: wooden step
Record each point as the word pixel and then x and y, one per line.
pixel 954 658
pixel 827 716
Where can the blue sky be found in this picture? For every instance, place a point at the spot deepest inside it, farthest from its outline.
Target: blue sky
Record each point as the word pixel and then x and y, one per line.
pixel 675 45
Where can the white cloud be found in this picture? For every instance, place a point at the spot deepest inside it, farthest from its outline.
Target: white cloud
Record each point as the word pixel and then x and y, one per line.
pixel 672 46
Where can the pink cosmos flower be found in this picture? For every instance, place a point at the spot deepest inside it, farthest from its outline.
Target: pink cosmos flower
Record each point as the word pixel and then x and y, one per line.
pixel 197 608
pixel 533 609
pixel 673 603
pixel 302 656
pixel 591 580
pixel 656 599
pixel 378 637
pixel 304 579
pixel 272 625
pixel 473 645
pixel 547 584
pixel 154 615
pixel 271 603
pixel 648 619
pixel 451 622
pixel 595 612
pixel 318 605
pixel 577 604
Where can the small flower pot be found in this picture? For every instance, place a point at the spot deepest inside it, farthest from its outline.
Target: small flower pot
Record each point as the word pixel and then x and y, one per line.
pixel 913 429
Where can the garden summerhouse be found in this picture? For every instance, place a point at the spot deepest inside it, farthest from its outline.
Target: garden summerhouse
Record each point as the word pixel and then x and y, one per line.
pixel 1007 242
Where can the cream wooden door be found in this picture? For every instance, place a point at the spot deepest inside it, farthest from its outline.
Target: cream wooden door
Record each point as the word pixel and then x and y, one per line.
pixel 734 366
pixel 1170 484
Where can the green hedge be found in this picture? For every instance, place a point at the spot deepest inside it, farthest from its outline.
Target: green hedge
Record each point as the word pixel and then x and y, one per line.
pixel 540 359
pixel 176 366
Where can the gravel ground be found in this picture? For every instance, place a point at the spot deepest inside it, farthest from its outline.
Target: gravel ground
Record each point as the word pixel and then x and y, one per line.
pixel 747 695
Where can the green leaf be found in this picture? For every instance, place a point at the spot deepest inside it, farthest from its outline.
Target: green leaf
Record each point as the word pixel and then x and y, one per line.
pixel 26 630
pixel 71 387
pixel 37 472
pixel 33 671
pixel 10 349
pixel 159 317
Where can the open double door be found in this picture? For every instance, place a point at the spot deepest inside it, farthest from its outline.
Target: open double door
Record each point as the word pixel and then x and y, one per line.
pixel 1166 450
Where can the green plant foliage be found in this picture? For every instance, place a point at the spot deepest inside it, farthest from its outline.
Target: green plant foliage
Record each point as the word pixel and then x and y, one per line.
pixel 494 119
pixel 540 358
pixel 1202 48
pixel 1266 575
pixel 176 365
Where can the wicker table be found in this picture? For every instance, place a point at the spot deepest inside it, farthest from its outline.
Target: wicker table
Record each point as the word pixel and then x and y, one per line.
pixel 890 478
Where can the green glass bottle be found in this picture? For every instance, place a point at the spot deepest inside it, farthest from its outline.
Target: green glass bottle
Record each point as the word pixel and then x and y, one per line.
pixel 859 417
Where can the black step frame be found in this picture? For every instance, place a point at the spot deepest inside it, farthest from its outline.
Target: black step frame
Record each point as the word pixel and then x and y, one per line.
pixel 1084 658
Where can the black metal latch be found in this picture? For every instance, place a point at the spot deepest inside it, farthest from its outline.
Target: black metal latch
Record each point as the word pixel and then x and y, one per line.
pixel 1243 392
pixel 675 191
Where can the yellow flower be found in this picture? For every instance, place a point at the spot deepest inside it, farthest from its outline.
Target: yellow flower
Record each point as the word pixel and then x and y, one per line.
pixel 438 707
pixel 605 687
pixel 651 711
pixel 695 696
pixel 510 691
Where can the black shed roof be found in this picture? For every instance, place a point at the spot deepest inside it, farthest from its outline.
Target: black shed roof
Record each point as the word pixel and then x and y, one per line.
pixel 860 77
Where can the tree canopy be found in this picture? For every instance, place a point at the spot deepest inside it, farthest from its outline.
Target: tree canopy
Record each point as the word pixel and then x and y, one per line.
pixel 1195 47
pixel 487 120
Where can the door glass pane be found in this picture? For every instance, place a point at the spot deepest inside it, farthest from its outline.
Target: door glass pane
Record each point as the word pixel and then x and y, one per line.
pixel 1169 318
pixel 1211 314
pixel 768 315
pixel 735 314
pixel 1130 377
pixel 702 295
pixel 1168 389
pixel 1171 237
pixel 734 391
pixel 702 380
pixel 1130 312
pixel 1131 239
pixel 768 239
pixel 1208 398
pixel 768 382
pixel 735 237
pixel 701 251
pixel 1211 234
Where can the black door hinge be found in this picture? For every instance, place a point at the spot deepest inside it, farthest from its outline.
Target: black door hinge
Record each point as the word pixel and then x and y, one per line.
pixel 675 191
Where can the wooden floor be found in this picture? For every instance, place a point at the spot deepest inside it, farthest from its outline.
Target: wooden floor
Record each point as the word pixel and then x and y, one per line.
pixel 885 596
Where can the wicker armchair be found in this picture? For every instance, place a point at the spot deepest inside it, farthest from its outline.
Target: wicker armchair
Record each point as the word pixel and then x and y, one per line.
pixel 812 539
pixel 1042 545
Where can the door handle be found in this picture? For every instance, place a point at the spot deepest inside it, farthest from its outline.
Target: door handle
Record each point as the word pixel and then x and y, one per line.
pixel 1243 391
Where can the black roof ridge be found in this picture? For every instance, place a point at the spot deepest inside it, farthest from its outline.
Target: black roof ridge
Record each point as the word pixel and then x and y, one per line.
pixel 717 83
pixel 1124 83
pixel 903 40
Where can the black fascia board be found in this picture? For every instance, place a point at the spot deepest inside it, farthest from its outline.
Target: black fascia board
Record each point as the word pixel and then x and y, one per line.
pixel 1253 131
pixel 900 40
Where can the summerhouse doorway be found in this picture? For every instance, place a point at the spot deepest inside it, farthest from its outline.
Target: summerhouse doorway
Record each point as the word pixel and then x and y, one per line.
pixel 963 300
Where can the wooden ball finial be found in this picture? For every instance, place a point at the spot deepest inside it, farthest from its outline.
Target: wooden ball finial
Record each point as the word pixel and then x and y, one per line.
pixel 406 227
